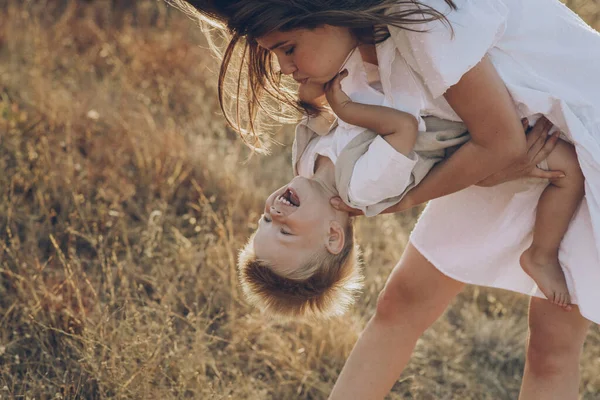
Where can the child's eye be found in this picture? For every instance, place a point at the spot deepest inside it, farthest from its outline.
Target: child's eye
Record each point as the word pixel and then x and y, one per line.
pixel 290 51
pixel 284 232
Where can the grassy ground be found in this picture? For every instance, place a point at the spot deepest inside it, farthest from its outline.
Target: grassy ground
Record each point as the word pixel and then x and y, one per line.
pixel 123 201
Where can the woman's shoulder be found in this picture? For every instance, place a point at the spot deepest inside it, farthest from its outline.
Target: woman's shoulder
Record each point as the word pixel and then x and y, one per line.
pixel 440 52
pixel 464 16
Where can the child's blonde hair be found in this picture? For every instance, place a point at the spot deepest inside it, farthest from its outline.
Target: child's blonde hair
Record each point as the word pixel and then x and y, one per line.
pixel 323 287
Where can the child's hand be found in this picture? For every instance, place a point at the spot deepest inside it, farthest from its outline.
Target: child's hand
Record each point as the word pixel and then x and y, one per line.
pixel 337 99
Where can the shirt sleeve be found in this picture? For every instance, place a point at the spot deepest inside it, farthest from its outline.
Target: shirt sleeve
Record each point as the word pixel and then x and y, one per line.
pixel 442 55
pixel 380 173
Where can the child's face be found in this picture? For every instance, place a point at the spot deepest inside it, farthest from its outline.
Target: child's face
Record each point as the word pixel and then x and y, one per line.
pixel 310 55
pixel 298 223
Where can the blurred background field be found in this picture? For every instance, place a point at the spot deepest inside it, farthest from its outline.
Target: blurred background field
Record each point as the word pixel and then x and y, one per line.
pixel 123 201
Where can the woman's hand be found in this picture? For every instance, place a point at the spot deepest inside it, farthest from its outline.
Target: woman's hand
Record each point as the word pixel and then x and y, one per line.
pixel 539 146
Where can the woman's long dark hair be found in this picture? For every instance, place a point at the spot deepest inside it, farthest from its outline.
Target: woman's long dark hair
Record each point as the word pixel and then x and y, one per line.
pixel 258 88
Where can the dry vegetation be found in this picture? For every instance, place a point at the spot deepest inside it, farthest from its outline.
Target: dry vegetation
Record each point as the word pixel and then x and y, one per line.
pixel 123 199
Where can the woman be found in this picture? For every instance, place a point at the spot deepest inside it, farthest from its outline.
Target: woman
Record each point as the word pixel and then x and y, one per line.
pixel 500 59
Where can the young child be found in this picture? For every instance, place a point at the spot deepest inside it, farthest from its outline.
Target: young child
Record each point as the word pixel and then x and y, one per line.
pixel 302 258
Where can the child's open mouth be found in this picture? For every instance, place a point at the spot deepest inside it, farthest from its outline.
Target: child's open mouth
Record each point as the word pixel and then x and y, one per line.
pixel 290 198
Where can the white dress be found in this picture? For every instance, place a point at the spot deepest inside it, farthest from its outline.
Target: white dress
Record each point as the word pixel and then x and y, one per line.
pixel 549 60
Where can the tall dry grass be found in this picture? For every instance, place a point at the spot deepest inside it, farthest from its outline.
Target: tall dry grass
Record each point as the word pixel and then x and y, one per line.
pixel 123 201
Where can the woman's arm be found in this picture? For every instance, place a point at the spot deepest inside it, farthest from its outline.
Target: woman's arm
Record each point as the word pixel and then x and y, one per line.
pixel 444 179
pixel 482 101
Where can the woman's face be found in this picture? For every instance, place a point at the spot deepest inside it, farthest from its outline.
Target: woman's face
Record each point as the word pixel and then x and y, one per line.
pixel 310 55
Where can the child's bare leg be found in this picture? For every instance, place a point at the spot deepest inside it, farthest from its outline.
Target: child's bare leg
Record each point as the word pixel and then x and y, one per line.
pixel 556 207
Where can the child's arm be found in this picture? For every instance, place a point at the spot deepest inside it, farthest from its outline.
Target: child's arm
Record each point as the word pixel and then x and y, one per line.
pixel 398 128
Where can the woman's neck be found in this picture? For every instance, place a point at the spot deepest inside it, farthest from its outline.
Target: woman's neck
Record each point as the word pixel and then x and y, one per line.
pixel 325 175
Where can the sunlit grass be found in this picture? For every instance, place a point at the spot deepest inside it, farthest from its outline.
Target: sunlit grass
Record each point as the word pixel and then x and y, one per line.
pixel 123 201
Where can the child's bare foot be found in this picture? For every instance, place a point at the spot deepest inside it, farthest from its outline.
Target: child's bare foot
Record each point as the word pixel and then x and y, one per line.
pixel 546 271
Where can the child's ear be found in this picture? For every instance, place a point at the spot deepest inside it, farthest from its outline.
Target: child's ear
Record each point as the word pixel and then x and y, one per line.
pixel 335 239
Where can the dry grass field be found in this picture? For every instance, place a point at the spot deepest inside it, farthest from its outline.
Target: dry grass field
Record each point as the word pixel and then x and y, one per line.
pixel 123 201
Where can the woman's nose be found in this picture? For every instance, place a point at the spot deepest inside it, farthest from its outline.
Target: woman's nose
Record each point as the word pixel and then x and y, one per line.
pixel 287 66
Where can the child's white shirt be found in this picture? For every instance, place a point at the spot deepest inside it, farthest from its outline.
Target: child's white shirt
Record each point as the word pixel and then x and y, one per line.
pixel 379 174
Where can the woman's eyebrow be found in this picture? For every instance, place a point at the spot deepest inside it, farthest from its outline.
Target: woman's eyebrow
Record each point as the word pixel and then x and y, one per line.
pixel 278 44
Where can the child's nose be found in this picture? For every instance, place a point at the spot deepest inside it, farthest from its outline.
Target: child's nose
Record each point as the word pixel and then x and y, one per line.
pixel 275 212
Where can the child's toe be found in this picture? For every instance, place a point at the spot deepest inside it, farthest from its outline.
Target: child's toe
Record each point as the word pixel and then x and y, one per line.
pixel 556 298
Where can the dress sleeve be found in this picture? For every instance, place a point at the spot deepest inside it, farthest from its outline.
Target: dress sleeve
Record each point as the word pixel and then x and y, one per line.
pixel 380 173
pixel 441 55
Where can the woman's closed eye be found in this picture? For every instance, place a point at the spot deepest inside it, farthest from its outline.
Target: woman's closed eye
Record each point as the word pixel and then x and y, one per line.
pixel 290 50
pixel 284 232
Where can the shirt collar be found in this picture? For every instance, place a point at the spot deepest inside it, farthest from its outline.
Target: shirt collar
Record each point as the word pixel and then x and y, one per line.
pixel 321 124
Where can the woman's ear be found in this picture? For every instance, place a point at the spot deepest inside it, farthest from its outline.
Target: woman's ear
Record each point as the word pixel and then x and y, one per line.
pixel 336 238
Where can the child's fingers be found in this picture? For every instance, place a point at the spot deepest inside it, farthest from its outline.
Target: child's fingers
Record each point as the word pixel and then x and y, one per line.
pixel 335 88
pixel 337 82
pixel 340 75
pixel 333 82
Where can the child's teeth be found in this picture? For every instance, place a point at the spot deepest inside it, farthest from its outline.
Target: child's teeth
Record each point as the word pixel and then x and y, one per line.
pixel 285 201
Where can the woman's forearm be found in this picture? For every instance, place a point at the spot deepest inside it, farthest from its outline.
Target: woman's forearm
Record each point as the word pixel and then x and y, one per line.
pixel 483 102
pixel 468 166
